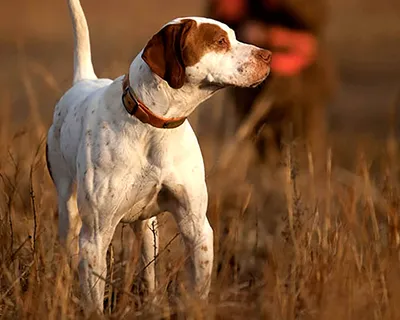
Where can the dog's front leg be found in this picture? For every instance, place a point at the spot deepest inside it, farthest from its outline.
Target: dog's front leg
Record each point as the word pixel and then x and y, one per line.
pixel 187 201
pixel 94 239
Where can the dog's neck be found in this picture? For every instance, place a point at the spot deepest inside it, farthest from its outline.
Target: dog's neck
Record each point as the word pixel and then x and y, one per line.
pixel 159 97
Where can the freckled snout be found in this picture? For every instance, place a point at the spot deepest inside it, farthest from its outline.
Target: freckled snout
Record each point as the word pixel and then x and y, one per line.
pixel 262 65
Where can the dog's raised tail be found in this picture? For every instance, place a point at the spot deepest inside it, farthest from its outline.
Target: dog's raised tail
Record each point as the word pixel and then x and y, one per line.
pixel 83 66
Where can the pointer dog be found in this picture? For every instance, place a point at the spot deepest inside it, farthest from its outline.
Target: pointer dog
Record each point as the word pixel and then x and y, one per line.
pixel 122 150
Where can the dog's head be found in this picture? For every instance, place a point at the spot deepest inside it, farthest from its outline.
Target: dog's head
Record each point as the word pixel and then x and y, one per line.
pixel 204 52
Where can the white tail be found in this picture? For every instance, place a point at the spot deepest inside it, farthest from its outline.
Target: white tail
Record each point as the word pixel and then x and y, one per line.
pixel 83 66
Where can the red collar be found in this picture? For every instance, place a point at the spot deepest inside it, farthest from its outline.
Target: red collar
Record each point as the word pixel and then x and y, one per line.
pixel 136 108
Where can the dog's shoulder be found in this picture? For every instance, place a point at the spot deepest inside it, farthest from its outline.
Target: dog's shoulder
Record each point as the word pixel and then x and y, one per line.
pixel 78 97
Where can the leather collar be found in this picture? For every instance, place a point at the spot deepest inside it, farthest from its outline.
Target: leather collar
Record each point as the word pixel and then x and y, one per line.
pixel 136 108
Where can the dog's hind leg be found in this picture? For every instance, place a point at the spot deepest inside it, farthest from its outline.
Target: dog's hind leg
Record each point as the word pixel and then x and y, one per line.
pixel 146 233
pixel 68 216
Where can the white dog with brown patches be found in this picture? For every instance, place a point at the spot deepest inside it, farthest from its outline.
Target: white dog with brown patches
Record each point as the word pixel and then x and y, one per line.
pixel 122 150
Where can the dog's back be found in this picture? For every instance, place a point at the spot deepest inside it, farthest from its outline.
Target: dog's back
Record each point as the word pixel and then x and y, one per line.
pixel 65 134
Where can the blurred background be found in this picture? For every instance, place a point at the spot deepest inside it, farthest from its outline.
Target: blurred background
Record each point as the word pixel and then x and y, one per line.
pixel 363 37
pixel 329 236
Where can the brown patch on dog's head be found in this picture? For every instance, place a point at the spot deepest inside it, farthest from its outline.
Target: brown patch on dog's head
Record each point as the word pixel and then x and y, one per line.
pixel 180 45
pixel 205 38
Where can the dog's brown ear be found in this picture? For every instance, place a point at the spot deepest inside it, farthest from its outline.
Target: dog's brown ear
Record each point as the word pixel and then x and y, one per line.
pixel 163 53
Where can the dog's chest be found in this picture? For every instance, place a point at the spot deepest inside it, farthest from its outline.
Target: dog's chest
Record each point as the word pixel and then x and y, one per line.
pixel 144 208
pixel 128 175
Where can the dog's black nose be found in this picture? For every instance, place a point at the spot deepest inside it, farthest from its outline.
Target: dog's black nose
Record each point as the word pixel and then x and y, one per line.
pixel 265 55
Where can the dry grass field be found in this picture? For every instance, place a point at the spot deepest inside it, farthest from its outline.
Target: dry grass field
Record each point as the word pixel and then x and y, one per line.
pixel 288 244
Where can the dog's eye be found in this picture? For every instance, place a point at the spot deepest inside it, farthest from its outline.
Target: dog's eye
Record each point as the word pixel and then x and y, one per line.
pixel 222 41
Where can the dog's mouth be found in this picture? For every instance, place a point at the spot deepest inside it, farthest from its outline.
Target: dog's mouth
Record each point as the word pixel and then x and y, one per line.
pixel 213 86
pixel 258 82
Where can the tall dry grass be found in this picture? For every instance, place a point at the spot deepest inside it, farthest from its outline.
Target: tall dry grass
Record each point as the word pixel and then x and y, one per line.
pixel 287 245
